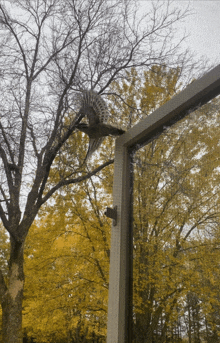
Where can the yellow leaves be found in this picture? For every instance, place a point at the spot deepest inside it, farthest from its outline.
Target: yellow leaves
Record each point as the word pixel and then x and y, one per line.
pixel 176 208
pixel 176 211
pixel 67 268
pixel 159 86
pixel 60 243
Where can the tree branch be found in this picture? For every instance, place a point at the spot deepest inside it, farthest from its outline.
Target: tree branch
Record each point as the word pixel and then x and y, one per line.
pixel 72 181
pixel 6 22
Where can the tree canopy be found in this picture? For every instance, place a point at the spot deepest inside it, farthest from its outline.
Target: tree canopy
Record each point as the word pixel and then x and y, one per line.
pixel 51 52
pixel 176 232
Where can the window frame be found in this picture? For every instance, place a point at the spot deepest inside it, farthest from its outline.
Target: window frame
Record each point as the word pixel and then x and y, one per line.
pixel 199 92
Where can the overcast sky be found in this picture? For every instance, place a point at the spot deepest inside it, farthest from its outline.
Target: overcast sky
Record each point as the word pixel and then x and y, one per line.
pixel 203 26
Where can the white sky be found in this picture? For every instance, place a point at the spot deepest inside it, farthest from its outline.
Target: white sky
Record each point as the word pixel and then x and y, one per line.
pixel 203 26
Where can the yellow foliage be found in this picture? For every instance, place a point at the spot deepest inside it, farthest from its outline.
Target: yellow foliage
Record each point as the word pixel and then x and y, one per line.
pixel 67 270
pixel 176 225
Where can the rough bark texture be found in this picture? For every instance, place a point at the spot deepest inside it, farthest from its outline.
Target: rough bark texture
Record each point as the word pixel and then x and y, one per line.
pixel 12 299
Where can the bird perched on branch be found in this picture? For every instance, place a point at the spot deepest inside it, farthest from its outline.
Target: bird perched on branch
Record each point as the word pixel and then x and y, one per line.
pixel 95 109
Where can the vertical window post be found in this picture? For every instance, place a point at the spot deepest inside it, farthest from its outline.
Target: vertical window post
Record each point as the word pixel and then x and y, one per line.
pixel 120 282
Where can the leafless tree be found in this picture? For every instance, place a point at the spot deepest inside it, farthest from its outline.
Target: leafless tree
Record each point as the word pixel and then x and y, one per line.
pixel 50 51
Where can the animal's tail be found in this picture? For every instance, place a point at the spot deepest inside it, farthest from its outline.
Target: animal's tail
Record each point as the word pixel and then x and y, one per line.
pixel 94 144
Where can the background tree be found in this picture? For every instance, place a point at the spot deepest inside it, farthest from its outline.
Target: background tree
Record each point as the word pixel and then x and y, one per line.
pixel 68 299
pixel 80 244
pixel 50 52
pixel 70 263
pixel 176 222
pixel 178 205
pixel 176 210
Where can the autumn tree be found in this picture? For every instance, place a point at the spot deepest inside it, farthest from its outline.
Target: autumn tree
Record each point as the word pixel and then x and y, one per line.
pixel 51 51
pixel 176 207
pixel 70 261
pixel 69 265
pixel 67 250
pixel 67 256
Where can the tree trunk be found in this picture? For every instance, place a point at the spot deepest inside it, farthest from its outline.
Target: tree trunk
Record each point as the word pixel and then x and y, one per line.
pixel 12 299
pixel 190 325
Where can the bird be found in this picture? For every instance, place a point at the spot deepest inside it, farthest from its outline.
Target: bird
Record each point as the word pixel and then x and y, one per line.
pixel 96 111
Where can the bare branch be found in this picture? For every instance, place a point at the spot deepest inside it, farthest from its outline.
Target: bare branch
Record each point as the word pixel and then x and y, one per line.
pixel 7 143
pixel 76 180
pixel 6 21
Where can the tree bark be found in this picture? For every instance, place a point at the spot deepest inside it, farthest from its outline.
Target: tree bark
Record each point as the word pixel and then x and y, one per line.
pixel 12 299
